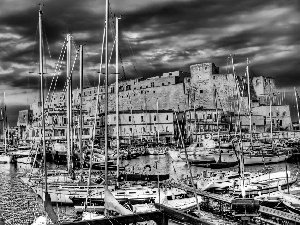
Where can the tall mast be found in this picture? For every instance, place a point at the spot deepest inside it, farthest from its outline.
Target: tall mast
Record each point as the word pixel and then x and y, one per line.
pixel 296 96
pixel 80 101
pixel 117 93
pixel 271 128
pixel 249 102
pixel 106 92
pixel 69 100
pixel 42 92
pixel 4 124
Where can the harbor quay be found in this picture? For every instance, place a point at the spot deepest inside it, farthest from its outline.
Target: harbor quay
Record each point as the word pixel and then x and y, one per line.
pixel 215 205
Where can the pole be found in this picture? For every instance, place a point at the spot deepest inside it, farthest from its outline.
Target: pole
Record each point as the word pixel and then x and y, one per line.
pixel 188 164
pixel 106 92
pixel 296 96
pixel 4 124
pixel 117 96
pixel 80 107
pixel 42 92
pixel 68 100
pixel 271 124
pixel 249 102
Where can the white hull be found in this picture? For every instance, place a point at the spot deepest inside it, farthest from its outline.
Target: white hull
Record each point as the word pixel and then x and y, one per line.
pixel 5 159
pixel 184 203
pixel 175 155
pixel 25 160
pixel 59 195
pixel 250 160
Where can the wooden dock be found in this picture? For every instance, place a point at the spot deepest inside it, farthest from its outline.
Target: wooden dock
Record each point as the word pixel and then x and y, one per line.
pixel 160 217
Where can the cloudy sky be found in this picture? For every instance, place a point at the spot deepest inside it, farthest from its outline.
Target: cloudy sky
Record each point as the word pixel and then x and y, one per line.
pixel 156 36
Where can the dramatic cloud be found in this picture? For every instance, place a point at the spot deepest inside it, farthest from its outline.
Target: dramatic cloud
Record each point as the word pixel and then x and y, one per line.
pixel 156 36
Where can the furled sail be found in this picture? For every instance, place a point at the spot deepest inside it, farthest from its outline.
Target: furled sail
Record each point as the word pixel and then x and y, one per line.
pixel 112 204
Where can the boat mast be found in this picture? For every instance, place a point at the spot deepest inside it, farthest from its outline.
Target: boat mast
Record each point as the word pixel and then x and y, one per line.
pixel 271 124
pixel 296 96
pixel 69 100
pixel 80 107
pixel 106 92
pixel 249 102
pixel 117 94
pixel 42 92
pixel 4 125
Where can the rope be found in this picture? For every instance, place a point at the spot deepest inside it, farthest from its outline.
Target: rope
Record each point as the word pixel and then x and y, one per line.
pixel 61 55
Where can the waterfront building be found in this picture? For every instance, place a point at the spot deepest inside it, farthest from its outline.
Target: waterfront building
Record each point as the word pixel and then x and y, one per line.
pixel 195 96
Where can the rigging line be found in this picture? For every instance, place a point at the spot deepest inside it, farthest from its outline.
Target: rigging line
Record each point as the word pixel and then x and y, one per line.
pixel 112 50
pixel 37 29
pixel 133 56
pixel 121 60
pixel 95 118
pixel 59 69
pixel 55 71
pixel 112 21
pixel 44 31
pixel 88 57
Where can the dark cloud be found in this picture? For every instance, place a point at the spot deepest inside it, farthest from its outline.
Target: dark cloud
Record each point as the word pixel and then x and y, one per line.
pixel 155 37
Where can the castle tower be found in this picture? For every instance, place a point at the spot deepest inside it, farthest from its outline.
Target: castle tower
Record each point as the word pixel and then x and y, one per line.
pixel 202 90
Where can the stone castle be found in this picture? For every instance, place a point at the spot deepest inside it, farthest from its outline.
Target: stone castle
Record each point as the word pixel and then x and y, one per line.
pixel 201 97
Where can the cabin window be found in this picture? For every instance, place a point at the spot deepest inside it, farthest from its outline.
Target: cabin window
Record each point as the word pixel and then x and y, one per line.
pixel 121 193
pixel 143 129
pixel 130 130
pixel 167 129
pixel 162 84
pixel 131 192
pixel 112 90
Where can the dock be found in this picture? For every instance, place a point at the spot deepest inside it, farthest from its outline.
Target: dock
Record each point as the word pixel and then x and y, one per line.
pixel 160 217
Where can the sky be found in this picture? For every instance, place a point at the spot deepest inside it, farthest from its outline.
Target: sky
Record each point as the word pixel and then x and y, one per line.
pixel 156 36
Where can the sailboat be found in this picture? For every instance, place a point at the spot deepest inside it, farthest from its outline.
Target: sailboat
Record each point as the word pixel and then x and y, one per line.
pixel 5 157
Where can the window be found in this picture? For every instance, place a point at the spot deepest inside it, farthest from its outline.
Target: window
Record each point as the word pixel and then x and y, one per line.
pixel 114 118
pixel 112 90
pixel 130 130
pixel 152 84
pixel 144 129
pixel 153 91
pixel 142 118
pixel 154 118
pixel 167 130
pixel 201 91
pixel 129 118
pixel 162 84
pixel 167 118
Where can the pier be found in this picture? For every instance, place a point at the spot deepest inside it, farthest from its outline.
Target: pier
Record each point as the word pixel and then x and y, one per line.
pixel 160 217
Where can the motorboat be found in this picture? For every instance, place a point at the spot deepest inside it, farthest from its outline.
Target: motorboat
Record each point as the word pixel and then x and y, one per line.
pixel 5 158
pixel 134 194
pixel 266 183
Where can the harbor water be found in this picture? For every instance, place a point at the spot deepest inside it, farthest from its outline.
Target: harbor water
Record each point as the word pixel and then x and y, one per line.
pixel 20 205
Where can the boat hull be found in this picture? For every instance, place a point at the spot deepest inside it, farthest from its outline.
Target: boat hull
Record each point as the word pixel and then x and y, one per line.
pixel 5 159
